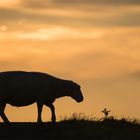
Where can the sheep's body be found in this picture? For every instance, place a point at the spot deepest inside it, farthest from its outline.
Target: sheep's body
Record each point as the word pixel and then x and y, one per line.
pixel 20 88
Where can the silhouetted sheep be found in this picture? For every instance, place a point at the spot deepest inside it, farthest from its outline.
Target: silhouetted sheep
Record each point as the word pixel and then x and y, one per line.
pixel 19 88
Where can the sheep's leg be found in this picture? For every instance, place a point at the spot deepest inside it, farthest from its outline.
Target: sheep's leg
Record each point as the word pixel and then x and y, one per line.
pixel 39 107
pixel 51 106
pixel 2 114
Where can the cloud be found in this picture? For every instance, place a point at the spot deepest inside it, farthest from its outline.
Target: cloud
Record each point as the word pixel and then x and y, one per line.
pixel 85 13
pixel 55 33
pixel 106 2
pixel 9 3
pixel 117 17
pixel 50 33
pixel 70 3
pixel 110 55
pixel 135 75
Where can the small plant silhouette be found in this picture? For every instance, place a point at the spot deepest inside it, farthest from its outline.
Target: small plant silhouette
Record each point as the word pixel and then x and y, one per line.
pixel 106 113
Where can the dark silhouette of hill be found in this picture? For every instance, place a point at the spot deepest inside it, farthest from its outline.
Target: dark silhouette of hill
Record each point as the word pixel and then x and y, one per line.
pixel 72 129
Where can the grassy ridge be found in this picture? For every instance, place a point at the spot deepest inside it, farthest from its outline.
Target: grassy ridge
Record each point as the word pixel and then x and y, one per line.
pixel 73 129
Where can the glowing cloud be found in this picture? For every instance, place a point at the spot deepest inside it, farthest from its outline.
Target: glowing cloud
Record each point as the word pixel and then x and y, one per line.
pixel 57 33
pixel 3 28
pixel 9 3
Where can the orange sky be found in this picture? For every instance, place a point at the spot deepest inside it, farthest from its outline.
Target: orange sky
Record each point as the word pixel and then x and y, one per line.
pixel 92 42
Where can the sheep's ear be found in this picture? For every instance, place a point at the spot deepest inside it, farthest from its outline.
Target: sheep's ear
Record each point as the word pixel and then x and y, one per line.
pixel 76 85
pixel 73 82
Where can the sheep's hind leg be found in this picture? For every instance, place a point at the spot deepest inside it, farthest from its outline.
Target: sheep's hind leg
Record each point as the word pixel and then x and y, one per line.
pixel 39 107
pixel 2 114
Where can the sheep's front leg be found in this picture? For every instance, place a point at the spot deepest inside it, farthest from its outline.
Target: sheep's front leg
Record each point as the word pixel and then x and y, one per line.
pixel 51 106
pixel 2 114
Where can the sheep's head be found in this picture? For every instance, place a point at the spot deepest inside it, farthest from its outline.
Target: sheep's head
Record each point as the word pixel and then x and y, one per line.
pixel 75 92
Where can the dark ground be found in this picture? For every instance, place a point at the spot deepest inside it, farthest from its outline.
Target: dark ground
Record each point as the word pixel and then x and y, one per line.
pixel 70 129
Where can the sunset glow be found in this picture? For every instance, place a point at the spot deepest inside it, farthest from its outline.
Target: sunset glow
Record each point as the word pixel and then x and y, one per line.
pixel 93 43
pixel 9 3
